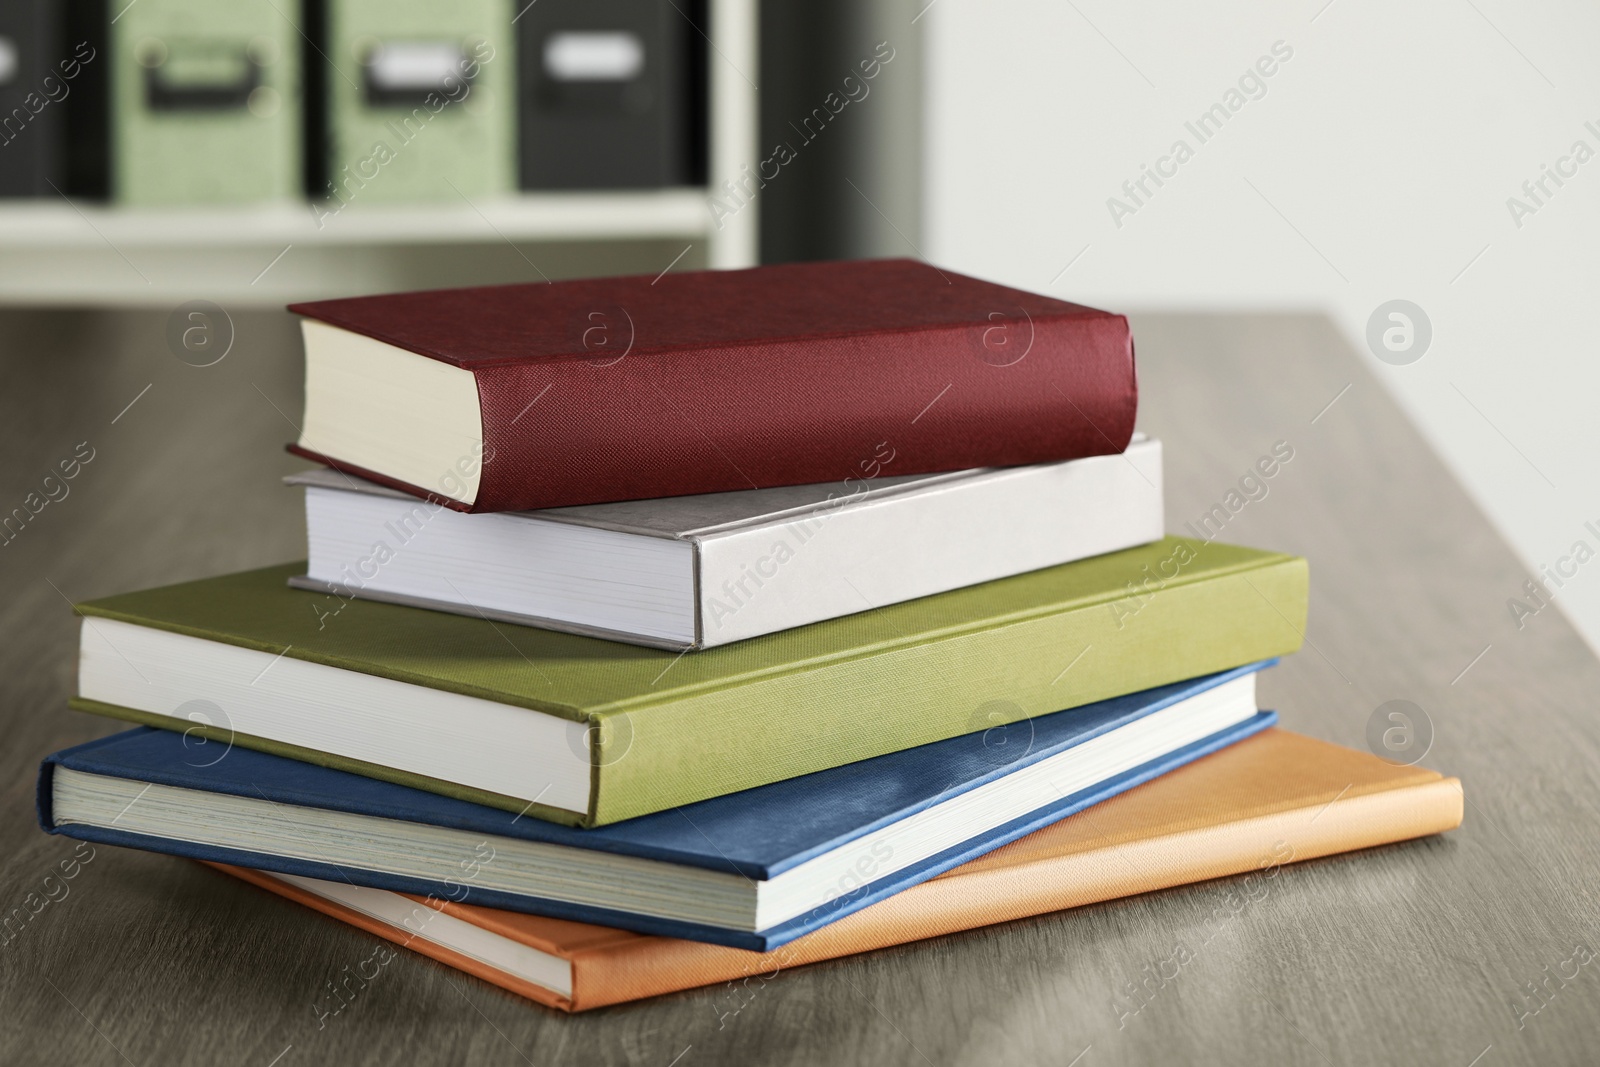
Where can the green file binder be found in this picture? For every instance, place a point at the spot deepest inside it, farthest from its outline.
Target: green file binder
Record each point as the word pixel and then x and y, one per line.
pixel 206 101
pixel 421 102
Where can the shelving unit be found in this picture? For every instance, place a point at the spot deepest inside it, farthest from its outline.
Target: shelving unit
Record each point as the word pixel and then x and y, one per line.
pixel 56 252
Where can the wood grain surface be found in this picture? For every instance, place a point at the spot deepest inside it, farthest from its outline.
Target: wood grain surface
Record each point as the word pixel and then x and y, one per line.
pixel 1417 954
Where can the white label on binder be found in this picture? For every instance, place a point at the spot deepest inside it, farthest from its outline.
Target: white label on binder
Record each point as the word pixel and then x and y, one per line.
pixel 593 56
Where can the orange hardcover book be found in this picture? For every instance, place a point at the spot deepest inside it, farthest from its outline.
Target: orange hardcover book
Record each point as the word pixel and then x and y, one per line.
pixel 1273 799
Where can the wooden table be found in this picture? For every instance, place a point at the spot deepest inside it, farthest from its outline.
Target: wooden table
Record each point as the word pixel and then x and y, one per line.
pixel 1418 953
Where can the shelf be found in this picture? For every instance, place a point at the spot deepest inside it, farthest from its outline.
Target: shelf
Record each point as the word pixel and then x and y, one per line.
pixel 61 253
pixel 59 225
pixel 53 252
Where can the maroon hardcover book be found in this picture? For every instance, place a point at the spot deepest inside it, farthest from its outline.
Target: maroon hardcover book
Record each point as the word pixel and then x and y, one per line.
pixel 630 388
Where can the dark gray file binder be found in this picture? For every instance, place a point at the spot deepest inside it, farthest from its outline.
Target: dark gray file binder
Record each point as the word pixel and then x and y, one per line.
pixel 33 97
pixel 53 132
pixel 612 94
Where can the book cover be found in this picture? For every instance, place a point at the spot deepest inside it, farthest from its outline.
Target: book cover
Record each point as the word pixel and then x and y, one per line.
pixel 871 826
pixel 711 381
pixel 670 729
pixel 1253 808
pixel 725 567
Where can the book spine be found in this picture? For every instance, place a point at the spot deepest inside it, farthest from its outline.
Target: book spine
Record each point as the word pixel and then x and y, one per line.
pixel 1013 390
pixel 707 744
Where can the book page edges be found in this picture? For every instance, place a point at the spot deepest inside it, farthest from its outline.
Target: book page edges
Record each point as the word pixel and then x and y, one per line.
pixel 403 938
pixel 613 967
pixel 227 737
pixel 359 389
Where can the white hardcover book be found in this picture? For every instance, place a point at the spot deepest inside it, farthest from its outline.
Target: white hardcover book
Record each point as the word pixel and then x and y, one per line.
pixel 698 571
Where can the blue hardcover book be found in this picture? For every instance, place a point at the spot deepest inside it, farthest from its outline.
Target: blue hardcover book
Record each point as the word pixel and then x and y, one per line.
pixel 753 870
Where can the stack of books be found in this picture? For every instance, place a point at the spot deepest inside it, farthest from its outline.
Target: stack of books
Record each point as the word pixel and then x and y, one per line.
pixel 657 633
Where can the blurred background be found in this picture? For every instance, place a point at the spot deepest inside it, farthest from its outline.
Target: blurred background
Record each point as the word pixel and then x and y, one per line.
pixel 1426 176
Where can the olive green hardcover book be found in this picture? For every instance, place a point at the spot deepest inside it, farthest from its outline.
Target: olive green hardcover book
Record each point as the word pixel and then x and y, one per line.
pixel 585 731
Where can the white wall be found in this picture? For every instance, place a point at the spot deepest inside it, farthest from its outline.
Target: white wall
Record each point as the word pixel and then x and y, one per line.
pixel 1377 166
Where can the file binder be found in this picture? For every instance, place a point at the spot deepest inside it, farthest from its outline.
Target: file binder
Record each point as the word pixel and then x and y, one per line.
pixel 419 103
pixel 206 101
pixel 612 94
pixel 33 96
